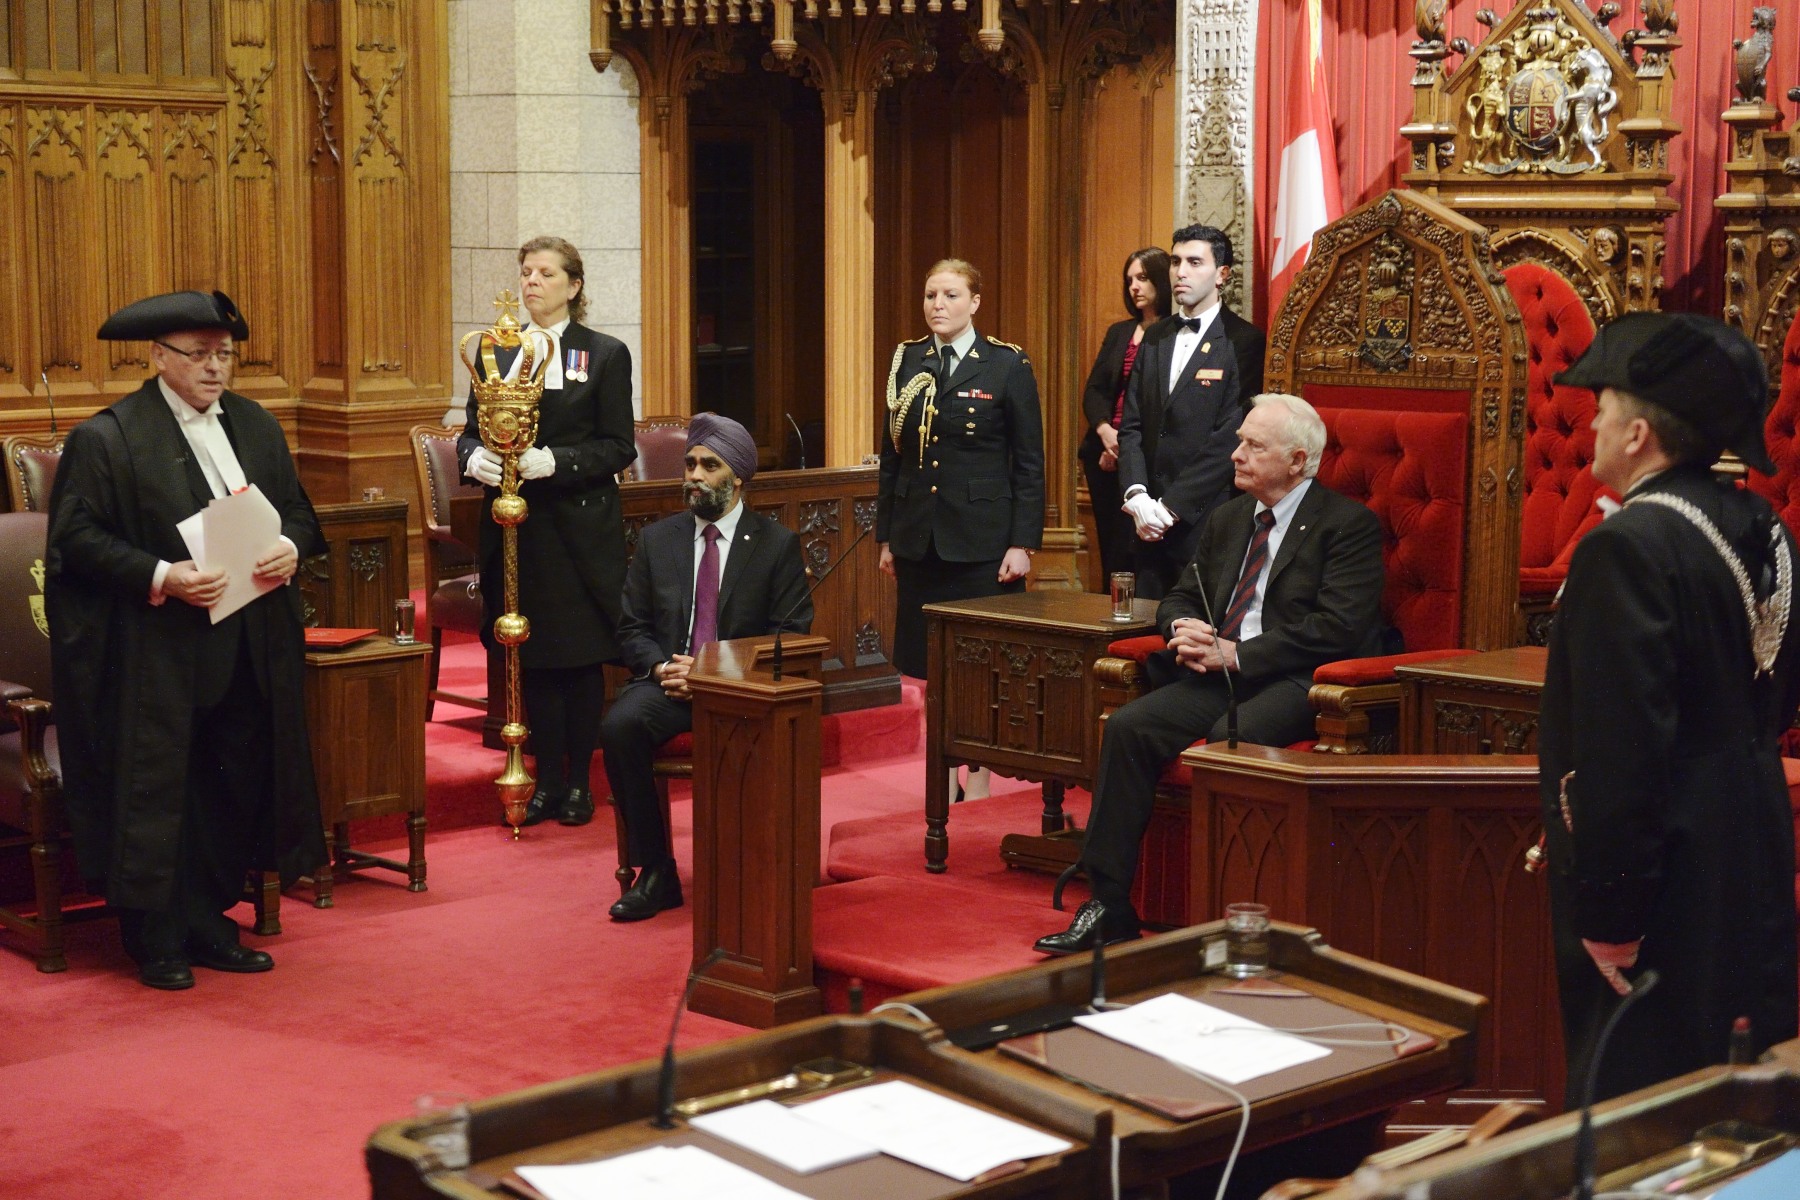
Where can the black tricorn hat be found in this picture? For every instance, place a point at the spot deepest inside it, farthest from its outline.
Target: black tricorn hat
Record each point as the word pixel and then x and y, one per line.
pixel 1699 368
pixel 173 312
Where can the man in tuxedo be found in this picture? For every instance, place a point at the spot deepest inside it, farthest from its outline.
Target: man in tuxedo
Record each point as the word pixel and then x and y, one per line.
pixel 1190 388
pixel 1294 575
pixel 715 572
pixel 183 740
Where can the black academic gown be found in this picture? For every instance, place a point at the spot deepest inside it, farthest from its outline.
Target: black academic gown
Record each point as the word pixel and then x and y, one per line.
pixel 572 542
pixel 128 674
pixel 1661 742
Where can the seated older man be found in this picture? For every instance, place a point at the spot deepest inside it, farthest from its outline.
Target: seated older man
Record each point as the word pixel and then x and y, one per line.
pixel 715 572
pixel 1287 576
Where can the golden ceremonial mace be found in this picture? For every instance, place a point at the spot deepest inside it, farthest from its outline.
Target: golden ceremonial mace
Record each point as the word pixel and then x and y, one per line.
pixel 507 414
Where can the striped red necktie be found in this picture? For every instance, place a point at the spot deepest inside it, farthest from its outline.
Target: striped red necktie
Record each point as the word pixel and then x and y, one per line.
pixel 1245 591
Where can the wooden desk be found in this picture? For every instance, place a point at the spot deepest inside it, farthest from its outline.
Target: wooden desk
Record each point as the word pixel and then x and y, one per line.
pixel 364 711
pixel 1537 1163
pixel 1011 686
pixel 1477 704
pixel 608 1113
pixel 354 584
pixel 1155 1147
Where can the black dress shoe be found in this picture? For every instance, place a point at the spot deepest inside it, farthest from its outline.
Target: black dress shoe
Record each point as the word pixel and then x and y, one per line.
pixel 1094 923
pixel 239 960
pixel 166 974
pixel 657 888
pixel 577 807
pixel 543 805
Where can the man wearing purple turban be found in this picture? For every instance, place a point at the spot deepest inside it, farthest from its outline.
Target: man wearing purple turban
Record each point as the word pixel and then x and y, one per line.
pixel 715 572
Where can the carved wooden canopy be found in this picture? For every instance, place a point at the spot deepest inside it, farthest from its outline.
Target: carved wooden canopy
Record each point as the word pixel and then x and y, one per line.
pixel 1400 307
pixel 1555 135
pixel 782 43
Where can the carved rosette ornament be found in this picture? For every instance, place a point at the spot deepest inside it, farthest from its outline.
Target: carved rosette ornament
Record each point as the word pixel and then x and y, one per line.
pixel 506 405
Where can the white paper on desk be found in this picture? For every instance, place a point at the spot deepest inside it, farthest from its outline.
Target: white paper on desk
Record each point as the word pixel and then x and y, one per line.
pixel 1210 1040
pixel 773 1131
pixel 658 1173
pixel 928 1130
pixel 233 532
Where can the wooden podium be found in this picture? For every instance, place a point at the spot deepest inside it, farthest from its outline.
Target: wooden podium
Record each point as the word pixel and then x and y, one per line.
pixel 756 828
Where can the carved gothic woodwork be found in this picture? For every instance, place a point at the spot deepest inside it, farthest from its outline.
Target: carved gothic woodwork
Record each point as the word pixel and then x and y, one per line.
pixel 1216 84
pixel 1555 134
pixel 292 154
pixel 1761 209
pixel 1402 293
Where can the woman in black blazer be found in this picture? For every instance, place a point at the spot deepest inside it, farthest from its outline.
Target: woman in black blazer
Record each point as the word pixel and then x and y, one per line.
pixel 1103 400
pixel 572 544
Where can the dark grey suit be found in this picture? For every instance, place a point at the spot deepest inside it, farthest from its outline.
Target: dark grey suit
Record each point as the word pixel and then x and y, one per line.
pixel 763 588
pixel 1322 602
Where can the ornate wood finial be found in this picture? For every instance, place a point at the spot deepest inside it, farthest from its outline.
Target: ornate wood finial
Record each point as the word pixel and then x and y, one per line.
pixel 1752 56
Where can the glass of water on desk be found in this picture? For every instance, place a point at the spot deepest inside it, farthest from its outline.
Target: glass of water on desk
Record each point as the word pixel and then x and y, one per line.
pixel 443 1124
pixel 1246 939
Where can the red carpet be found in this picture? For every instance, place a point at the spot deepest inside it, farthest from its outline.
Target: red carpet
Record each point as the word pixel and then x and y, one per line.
pixel 506 973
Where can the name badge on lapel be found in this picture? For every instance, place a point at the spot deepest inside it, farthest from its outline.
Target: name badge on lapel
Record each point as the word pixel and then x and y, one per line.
pixel 1209 375
pixel 575 365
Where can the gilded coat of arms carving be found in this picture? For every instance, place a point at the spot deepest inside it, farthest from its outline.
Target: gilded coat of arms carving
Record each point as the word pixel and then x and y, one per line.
pixel 38 616
pixel 1543 101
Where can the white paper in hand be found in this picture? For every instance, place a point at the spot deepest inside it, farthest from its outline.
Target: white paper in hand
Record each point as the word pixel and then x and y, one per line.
pixel 236 531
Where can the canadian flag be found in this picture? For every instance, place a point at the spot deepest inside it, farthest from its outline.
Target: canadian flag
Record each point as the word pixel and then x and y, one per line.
pixel 1308 196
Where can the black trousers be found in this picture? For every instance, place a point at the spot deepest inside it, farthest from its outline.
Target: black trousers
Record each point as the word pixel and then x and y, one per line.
pixel 225 823
pixel 931 580
pixel 564 704
pixel 641 719
pixel 1144 737
pixel 1112 525
pixel 1160 563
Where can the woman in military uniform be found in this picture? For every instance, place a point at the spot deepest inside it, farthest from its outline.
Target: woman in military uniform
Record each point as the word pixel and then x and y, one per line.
pixel 572 546
pixel 961 506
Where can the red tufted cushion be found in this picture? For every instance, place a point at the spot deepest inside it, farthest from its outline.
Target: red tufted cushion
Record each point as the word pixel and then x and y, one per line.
pixel 1560 487
pixel 1137 649
pixel 1410 468
pixel 1357 672
pixel 1779 430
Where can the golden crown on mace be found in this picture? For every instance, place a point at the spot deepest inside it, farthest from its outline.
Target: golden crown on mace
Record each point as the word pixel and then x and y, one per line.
pixel 507 417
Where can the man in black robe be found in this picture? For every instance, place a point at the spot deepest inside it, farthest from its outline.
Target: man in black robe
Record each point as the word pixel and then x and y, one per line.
pixel 183 741
pixel 1672 673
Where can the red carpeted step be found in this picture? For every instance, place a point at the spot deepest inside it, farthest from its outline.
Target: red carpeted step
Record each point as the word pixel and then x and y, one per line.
pixel 895 845
pixel 900 935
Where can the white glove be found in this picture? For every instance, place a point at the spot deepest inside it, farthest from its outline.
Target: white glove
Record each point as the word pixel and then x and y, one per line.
pixel 1148 514
pixel 483 467
pixel 537 463
pixel 1168 517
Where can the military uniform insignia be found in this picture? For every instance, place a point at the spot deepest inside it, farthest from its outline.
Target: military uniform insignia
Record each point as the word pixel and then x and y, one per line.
pixel 900 399
pixel 576 365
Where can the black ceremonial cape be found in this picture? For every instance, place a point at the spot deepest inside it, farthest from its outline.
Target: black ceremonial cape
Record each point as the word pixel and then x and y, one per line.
pixel 124 670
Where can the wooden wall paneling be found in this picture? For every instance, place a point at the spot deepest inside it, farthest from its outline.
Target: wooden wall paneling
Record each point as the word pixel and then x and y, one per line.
pixel 324 173
pixel 58 218
pixel 131 241
pixel 194 219
pixel 255 276
pixel 13 372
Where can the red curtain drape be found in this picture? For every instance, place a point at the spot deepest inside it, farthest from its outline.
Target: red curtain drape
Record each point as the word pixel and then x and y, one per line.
pixel 1371 98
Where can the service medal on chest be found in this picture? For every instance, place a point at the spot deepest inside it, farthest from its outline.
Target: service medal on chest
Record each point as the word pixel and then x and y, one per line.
pixel 576 366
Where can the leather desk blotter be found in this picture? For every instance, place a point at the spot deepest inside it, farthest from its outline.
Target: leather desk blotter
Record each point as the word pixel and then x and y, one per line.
pixel 1115 1069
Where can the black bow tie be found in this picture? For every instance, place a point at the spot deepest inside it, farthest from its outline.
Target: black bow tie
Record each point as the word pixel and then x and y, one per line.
pixel 1191 324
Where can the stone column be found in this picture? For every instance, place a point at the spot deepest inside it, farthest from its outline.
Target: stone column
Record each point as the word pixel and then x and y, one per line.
pixel 541 143
pixel 1215 56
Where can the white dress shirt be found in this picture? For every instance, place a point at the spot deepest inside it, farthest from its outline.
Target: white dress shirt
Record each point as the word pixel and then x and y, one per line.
pixel 1284 508
pixel 1185 342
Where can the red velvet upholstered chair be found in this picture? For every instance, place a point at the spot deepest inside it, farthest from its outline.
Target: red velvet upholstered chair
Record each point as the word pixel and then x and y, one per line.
pixel 452 585
pixel 1559 504
pixel 31 462
pixel 661 446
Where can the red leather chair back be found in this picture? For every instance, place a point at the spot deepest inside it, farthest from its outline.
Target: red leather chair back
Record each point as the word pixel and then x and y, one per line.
pixel 24 634
pixel 31 463
pixel 661 445
pixel 1409 467
pixel 1783 437
pixel 1560 488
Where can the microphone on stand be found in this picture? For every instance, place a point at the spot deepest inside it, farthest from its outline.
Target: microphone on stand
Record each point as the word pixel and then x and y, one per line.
pixel 775 661
pixel 665 1079
pixel 1098 1000
pixel 1585 1169
pixel 798 437
pixel 45 376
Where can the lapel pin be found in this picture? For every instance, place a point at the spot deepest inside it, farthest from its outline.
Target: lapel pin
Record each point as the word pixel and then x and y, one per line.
pixel 1206 347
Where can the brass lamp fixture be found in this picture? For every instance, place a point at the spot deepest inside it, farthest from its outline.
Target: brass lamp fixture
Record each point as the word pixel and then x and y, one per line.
pixel 507 415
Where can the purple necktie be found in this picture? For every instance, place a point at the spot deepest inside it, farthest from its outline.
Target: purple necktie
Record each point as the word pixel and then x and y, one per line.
pixel 706 592
pixel 1254 559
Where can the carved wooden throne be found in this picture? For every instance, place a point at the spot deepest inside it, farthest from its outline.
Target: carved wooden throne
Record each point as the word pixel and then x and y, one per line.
pixel 1554 134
